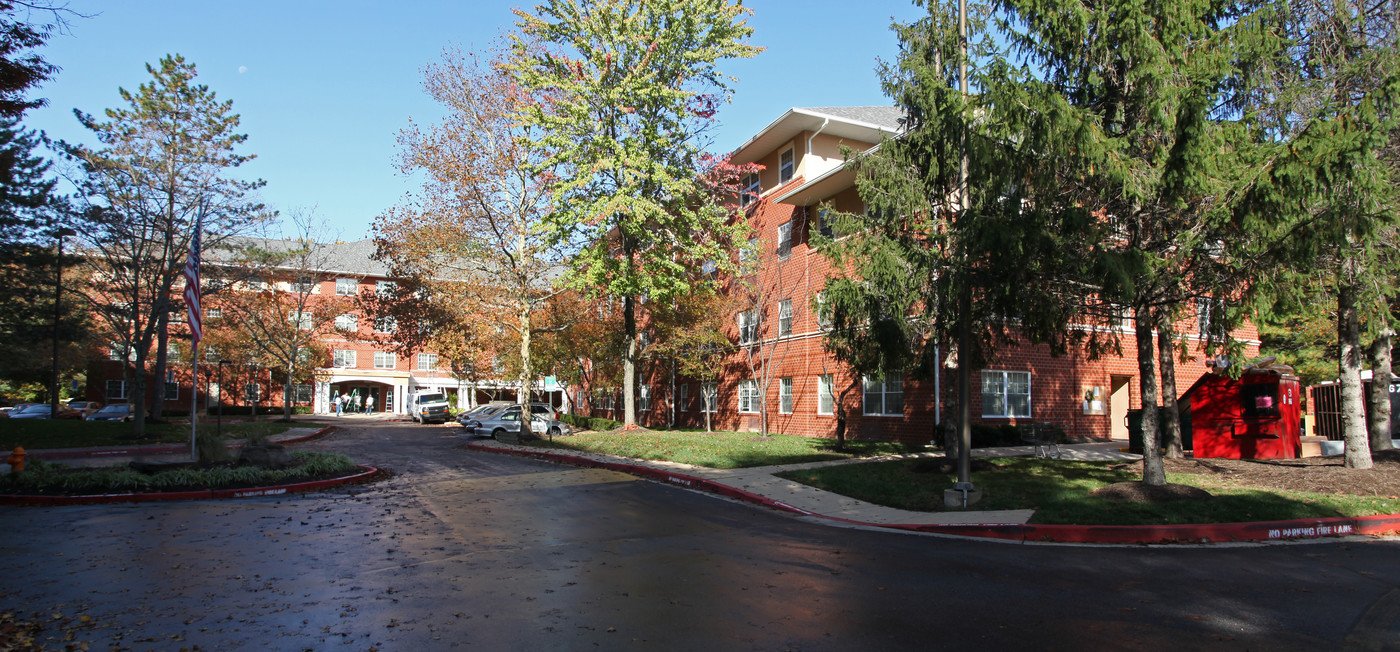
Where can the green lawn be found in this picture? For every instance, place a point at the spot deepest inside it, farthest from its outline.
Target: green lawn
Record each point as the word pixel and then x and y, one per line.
pixel 719 450
pixel 1059 492
pixel 74 433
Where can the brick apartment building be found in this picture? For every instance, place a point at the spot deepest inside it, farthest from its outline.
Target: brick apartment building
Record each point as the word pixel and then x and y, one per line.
pixel 358 363
pixel 803 168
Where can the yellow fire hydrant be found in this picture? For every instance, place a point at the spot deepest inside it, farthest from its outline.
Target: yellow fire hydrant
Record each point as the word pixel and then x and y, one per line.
pixel 16 459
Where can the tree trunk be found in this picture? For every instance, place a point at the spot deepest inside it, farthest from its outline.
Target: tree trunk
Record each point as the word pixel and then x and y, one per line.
pixel 1358 445
pixel 672 421
pixel 526 373
pixel 1153 469
pixel 1379 399
pixel 1171 416
pixel 162 349
pixel 629 363
pixel 287 393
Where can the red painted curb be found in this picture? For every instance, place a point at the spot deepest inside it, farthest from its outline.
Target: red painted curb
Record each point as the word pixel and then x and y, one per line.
pixel 1138 534
pixel 204 494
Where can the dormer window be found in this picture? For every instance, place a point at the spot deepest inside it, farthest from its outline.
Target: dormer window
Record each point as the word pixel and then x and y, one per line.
pixel 785 166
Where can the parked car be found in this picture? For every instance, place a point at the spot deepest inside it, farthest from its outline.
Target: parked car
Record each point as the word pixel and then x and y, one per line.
pixel 113 412
pixel 85 408
pixel 428 407
pixel 507 419
pixel 42 411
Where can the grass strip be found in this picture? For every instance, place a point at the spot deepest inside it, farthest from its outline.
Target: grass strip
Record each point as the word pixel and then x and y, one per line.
pixel 717 450
pixel 1059 492
pixel 44 478
pixel 74 433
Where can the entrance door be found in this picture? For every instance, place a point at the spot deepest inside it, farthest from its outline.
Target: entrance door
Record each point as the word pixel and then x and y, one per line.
pixel 1119 398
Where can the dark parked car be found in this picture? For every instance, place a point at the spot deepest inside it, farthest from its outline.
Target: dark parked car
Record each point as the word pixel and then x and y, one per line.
pixel 113 412
pixel 41 411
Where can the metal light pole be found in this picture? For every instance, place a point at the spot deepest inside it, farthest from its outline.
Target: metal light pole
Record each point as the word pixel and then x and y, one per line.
pixel 59 235
pixel 219 429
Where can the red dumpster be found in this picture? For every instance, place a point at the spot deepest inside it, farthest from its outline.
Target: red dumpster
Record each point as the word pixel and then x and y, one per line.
pixel 1253 417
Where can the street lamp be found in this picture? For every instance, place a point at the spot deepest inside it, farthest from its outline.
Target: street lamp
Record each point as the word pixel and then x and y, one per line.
pixel 59 235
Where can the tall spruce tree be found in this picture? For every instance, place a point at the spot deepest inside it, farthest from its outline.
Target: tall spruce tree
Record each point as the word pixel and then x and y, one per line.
pixel 162 163
pixel 1326 205
pixel 632 85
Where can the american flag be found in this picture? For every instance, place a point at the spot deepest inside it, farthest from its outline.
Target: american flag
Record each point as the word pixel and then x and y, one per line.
pixel 192 285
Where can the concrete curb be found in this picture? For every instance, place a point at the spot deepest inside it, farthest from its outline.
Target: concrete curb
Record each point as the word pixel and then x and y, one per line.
pixel 1103 534
pixel 203 494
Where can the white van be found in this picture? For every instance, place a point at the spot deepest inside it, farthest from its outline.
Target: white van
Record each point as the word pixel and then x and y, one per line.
pixel 428 407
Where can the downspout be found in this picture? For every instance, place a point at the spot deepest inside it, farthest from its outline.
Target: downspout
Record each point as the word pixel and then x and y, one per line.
pixel 825 122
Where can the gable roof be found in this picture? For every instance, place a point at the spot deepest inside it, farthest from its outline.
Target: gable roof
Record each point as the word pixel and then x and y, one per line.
pixel 868 124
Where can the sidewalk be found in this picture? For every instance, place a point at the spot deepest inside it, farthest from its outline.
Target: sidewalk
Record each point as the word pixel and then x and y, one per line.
pixel 759 485
pixel 761 481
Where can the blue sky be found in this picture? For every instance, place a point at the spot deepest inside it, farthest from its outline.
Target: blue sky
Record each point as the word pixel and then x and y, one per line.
pixel 323 88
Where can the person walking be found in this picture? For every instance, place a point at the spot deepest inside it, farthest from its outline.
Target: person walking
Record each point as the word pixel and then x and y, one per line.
pixel 369 404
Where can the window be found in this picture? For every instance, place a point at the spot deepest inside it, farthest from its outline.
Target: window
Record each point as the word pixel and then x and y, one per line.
pixel 427 361
pixel 303 285
pixel 749 255
pixel 785 396
pixel 785 240
pixel 211 354
pixel 213 313
pixel 785 317
pixel 748 326
pixel 303 394
pixel 1006 394
pixel 1207 312
pixel 347 323
pixel 385 325
pixel 643 397
pixel 682 400
pixel 252 392
pixel 751 189
pixel 346 287
pixel 748 396
pixel 1122 317
pixel 172 350
pixel 708 268
pixel 826 396
pixel 344 358
pixel 385 288
pixel 710 393
pixel 302 318
pixel 385 360
pixel 785 166
pixel 256 283
pixel 824 224
pixel 115 351
pixel 116 390
pixel 884 397
pixel 172 390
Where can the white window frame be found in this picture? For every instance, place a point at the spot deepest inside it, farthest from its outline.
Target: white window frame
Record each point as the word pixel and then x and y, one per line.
pixel 386 325
pixel 120 394
pixel 784 240
pixel 752 188
pixel 385 288
pixel 872 387
pixel 303 285
pixel 785 318
pixel 1003 387
pixel 347 323
pixel 748 396
pixel 386 360
pixel 644 397
pixel 427 361
pixel 252 392
pixel 213 313
pixel 347 287
pixel 787 169
pixel 709 394
pixel 748 327
pixel 826 394
pixel 785 395
pixel 682 400
pixel 302 318
pixel 300 391
pixel 343 359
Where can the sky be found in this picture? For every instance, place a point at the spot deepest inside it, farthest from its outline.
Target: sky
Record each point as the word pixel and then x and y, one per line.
pixel 323 88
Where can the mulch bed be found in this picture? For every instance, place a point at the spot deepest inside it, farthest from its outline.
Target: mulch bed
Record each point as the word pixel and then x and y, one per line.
pixel 1326 475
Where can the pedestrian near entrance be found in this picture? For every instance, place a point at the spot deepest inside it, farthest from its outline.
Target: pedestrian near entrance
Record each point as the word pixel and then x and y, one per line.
pixel 369 404
pixel 339 404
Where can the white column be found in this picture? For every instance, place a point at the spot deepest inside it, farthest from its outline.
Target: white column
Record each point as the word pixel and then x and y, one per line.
pixel 318 398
